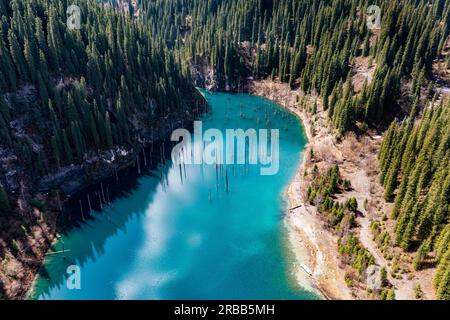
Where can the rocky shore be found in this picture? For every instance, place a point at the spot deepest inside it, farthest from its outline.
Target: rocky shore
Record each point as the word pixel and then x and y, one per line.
pixel 39 201
pixel 320 266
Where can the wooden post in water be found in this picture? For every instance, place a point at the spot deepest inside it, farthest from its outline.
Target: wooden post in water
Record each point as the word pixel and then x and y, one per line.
pixel 226 179
pixel 89 202
pixel 59 201
pixel 145 158
pixel 100 199
pixel 103 192
pixel 181 173
pixel 81 209
pixel 217 178
pixel 138 165
pixel 107 194
pixel 151 154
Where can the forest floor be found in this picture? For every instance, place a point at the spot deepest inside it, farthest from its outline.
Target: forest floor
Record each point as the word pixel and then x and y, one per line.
pixel 21 260
pixel 314 242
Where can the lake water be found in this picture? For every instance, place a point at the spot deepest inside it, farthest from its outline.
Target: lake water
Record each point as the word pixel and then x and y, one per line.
pixel 178 234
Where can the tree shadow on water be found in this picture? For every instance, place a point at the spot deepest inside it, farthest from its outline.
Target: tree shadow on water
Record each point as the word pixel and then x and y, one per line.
pixel 99 212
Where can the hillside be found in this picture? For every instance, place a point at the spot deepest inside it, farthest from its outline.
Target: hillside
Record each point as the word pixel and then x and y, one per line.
pixel 351 80
pixel 73 100
pixel 75 107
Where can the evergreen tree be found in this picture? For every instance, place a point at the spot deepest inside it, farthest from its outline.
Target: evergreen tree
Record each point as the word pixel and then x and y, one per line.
pixel 4 202
pixel 391 294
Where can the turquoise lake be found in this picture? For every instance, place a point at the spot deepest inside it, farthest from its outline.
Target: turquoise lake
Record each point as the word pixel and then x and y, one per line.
pixel 184 236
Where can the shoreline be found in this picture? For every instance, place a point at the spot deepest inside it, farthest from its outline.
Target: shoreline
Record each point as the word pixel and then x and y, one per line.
pixel 318 266
pixel 305 229
pixel 131 160
pixel 300 253
pixel 317 262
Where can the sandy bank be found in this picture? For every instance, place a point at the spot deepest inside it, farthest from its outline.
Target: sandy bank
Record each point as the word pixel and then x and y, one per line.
pixel 315 247
pixel 318 261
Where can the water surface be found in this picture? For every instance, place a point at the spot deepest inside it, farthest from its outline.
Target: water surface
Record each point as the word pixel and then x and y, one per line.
pixel 183 236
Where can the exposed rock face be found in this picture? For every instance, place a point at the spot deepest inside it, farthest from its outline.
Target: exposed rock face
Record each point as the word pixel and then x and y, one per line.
pixel 206 76
pixel 36 201
pixel 62 179
pixel 99 166
pixel 203 74
pixel 26 94
pixel 24 242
